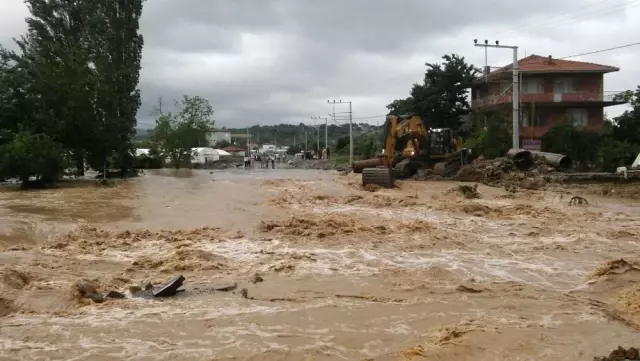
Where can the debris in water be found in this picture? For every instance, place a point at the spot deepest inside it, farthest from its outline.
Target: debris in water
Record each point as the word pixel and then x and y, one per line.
pixel 578 200
pixel 469 192
pixel 244 293
pixel 256 278
pixel 372 188
pixel 227 288
pixel 171 288
pixel 463 288
pixel 621 354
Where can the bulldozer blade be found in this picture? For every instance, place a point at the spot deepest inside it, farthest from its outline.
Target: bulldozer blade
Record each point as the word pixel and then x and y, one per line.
pixel 382 177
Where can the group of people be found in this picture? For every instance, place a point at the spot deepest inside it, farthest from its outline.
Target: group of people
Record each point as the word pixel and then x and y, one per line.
pixel 263 159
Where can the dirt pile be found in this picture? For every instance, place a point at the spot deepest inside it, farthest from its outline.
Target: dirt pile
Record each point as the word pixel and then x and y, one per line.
pixel 321 164
pixel 500 172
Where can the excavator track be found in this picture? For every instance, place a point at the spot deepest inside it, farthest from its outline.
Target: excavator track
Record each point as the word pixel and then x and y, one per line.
pixel 383 177
pixel 447 168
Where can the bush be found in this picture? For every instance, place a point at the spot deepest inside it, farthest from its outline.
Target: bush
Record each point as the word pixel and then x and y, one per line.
pixel 29 155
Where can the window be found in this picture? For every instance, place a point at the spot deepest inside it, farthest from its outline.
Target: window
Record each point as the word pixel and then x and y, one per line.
pixel 538 119
pixel 505 87
pixel 563 85
pixel 532 85
pixel 579 116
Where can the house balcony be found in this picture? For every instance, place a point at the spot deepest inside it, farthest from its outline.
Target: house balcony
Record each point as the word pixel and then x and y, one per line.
pixel 600 99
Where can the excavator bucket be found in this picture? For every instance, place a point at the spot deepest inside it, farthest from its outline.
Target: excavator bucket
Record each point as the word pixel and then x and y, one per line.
pixel 383 177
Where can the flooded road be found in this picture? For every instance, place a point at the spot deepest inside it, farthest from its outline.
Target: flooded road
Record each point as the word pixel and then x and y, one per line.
pixel 414 273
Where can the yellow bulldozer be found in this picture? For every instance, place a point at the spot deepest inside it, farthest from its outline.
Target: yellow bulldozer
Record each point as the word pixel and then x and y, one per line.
pixel 410 145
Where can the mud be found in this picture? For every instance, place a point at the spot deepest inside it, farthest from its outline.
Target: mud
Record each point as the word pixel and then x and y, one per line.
pixel 306 265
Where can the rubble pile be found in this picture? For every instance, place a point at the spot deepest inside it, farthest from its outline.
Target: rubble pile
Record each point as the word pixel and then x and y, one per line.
pixel 504 172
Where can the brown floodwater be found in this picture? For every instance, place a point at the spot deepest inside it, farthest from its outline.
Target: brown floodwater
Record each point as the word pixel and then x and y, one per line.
pixel 414 273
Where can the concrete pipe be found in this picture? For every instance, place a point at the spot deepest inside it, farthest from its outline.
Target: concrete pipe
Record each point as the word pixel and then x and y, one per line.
pixel 522 158
pixel 359 165
pixel 554 159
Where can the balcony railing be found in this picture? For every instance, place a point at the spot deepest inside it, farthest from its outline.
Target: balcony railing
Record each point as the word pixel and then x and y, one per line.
pixel 575 97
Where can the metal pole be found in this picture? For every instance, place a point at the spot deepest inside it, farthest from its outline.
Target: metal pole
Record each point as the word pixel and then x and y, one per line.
pixel 318 140
pixel 326 126
pixel 306 145
pixel 350 135
pixel 516 100
pixel 516 87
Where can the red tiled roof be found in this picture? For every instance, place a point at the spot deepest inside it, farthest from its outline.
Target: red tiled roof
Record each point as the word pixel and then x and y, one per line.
pixel 537 63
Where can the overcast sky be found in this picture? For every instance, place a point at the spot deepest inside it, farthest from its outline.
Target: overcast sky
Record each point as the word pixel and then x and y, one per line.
pixel 273 61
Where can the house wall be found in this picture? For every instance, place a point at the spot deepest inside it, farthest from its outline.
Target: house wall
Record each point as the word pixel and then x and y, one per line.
pixel 546 117
pixel 214 137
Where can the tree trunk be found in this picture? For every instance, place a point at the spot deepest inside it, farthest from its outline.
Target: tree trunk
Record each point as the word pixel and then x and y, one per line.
pixel 79 164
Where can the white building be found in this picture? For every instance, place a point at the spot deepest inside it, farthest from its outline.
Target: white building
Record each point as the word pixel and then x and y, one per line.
pixel 214 136
pixel 268 148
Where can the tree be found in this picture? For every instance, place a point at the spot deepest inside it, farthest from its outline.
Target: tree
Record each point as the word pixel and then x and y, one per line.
pixel 177 133
pixel 222 144
pixel 116 54
pixel 29 155
pixel 442 97
pixel 75 77
pixel 491 141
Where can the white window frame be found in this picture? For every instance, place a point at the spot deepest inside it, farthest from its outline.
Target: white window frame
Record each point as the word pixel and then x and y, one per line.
pixel 579 116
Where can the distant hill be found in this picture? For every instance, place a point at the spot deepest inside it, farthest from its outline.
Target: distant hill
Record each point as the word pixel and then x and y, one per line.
pixel 287 134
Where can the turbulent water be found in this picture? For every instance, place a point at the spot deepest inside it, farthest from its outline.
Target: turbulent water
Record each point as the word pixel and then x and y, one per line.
pixel 414 273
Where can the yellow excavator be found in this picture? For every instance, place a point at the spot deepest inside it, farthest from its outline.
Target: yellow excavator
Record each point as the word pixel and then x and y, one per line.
pixel 409 145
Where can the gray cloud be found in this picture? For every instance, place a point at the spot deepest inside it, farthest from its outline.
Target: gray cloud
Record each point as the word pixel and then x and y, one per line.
pixel 281 60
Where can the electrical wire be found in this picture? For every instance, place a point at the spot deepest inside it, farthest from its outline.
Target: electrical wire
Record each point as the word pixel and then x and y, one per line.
pixel 597 12
pixel 507 69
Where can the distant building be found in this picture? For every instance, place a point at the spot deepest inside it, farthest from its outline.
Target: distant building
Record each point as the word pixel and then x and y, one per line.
pixel 552 90
pixel 215 135
pixel 237 151
pixel 268 148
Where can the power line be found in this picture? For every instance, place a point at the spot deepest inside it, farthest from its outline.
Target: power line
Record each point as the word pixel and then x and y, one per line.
pixel 592 13
pixel 508 69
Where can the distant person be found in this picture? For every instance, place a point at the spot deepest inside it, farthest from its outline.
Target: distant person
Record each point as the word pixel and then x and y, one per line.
pixel 273 162
pixel 247 162
pixel 327 153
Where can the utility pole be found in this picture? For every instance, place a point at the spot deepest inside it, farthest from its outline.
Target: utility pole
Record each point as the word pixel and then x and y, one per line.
pixel 306 147
pixel 515 88
pixel 326 132
pixel 350 125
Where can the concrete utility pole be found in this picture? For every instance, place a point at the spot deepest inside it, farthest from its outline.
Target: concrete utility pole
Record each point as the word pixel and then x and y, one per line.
pixel 326 127
pixel 350 126
pixel 516 87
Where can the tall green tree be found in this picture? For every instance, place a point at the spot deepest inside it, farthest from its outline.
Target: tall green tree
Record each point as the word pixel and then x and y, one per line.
pixel 442 97
pixel 117 51
pixel 176 133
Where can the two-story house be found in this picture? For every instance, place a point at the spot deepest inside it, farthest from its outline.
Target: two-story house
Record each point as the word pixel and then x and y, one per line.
pixel 551 91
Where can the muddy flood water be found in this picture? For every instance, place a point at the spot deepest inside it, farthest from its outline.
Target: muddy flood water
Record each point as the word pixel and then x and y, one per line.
pixel 331 271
